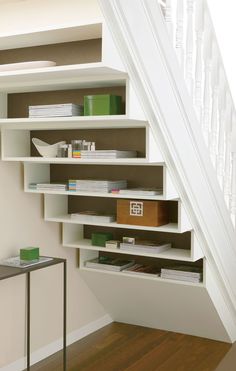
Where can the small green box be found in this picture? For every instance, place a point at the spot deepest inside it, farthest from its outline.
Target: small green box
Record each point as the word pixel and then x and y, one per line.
pixel 29 253
pixel 105 104
pixel 99 239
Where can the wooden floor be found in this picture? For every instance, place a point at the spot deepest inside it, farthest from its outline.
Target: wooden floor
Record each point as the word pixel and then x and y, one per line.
pixel 119 347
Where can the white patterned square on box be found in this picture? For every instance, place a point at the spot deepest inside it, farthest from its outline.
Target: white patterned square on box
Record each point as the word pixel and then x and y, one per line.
pixel 136 208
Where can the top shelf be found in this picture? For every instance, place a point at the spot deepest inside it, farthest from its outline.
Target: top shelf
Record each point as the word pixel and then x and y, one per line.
pixel 61 77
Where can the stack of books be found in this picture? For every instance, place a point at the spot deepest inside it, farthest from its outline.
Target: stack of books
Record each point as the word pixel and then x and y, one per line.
pixel 56 110
pixel 92 217
pixel 142 191
pixel 149 247
pixel 109 264
pixel 105 186
pixel 182 273
pixel 48 186
pixel 107 154
pixel 144 270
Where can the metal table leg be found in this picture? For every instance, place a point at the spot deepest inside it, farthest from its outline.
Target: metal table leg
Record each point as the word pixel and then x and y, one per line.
pixel 64 314
pixel 28 319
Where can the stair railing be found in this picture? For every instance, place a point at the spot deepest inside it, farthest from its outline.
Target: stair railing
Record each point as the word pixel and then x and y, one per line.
pixel 191 29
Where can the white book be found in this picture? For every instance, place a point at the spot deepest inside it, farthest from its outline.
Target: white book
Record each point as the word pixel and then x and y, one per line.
pixel 183 270
pixel 141 191
pixel 91 217
pixel 181 278
pixel 115 265
pixel 145 248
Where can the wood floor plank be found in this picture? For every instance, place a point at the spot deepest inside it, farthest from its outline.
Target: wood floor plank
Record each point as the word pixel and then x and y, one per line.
pixel 123 347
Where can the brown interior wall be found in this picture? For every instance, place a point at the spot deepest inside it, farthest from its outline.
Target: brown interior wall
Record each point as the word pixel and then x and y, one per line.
pixel 76 52
pixel 178 240
pixel 108 205
pixel 18 103
pixel 119 139
pixel 137 176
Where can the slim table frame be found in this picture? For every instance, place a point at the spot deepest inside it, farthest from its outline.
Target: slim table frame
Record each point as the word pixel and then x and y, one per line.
pixel 8 272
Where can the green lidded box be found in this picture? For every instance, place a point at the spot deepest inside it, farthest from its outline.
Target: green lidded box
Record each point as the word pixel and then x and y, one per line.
pixel 99 239
pixel 29 253
pixel 105 104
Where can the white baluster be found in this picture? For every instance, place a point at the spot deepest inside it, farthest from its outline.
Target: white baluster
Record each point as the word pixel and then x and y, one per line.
pixel 233 177
pixel 189 47
pixel 228 159
pixel 221 132
pixel 198 69
pixel 215 97
pixel 180 32
pixel 168 17
pixel 206 122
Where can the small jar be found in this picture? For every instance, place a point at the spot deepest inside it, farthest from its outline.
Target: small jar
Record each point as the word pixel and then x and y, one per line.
pixel 77 146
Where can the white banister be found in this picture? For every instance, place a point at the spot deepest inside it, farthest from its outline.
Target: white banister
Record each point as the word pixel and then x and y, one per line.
pixel 168 17
pixel 215 101
pixel 221 131
pixel 180 32
pixel 206 122
pixel 199 21
pixel 228 153
pixel 189 47
pixel 233 178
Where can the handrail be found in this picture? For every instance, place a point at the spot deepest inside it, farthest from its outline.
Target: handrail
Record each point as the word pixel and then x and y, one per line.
pixel 201 63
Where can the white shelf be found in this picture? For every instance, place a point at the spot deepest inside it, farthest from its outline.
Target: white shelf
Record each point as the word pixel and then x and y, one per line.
pixel 55 160
pixel 136 276
pixel 75 122
pixel 172 254
pixel 61 77
pixel 168 228
pixel 98 194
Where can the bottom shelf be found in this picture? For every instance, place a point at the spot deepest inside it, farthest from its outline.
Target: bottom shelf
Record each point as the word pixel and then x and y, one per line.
pixel 145 277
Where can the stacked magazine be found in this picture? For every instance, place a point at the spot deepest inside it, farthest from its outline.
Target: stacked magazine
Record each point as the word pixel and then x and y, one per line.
pixel 150 247
pixel 48 186
pixel 142 191
pixel 182 273
pixel 107 154
pixel 56 110
pixel 109 264
pixel 92 217
pixel 144 270
pixel 105 186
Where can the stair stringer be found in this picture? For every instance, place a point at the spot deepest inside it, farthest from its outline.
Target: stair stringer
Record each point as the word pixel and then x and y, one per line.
pixel 155 74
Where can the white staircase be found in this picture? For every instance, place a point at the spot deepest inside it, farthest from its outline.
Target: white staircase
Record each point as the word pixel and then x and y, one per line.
pixel 165 120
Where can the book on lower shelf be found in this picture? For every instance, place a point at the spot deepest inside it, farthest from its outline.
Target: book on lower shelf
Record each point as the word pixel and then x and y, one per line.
pixel 183 273
pixel 109 264
pixel 48 186
pixel 107 154
pixel 144 270
pixel 150 247
pixel 141 191
pixel 55 110
pixel 93 185
pixel 92 217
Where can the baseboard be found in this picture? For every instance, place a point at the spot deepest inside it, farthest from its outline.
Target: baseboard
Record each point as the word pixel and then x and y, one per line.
pixel 54 347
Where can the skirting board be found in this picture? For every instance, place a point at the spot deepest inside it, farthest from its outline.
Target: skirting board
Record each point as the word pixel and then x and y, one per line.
pixel 54 347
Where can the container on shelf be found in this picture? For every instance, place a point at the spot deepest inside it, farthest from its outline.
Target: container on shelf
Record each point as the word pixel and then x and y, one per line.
pixel 143 213
pixel 104 104
pixel 100 239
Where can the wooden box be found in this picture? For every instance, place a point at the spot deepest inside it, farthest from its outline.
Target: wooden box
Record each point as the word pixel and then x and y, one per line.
pixel 145 213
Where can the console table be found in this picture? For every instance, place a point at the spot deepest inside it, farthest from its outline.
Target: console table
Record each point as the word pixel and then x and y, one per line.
pixel 8 272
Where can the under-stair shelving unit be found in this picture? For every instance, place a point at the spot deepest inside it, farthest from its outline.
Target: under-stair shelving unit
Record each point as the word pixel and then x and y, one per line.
pixel 130 130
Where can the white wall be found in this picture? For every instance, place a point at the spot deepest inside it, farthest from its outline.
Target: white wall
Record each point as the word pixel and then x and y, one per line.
pixel 22 224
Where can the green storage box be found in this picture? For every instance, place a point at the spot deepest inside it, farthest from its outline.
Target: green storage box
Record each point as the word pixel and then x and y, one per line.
pixel 99 239
pixel 95 105
pixel 29 253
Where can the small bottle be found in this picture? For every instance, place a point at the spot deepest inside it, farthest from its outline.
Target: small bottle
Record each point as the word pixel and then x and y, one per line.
pixel 92 147
pixel 69 151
